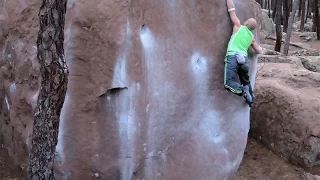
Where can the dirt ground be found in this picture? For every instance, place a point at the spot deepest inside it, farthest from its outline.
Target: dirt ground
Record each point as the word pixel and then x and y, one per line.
pixel 314 44
pixel 8 170
pixel 258 164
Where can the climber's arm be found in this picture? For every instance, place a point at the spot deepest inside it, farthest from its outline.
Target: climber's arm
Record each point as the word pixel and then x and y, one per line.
pixel 256 47
pixel 232 12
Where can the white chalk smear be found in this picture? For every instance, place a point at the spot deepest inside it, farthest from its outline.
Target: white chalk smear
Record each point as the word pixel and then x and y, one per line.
pixel 199 64
pixel 33 99
pixel 126 113
pixel 120 77
pixel 211 127
pixel 12 88
pixel 8 105
pixel 33 54
pixel 60 145
pixel 147 39
pixel 120 73
pixel 154 75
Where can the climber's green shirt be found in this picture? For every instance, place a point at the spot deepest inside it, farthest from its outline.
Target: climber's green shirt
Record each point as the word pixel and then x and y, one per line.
pixel 240 41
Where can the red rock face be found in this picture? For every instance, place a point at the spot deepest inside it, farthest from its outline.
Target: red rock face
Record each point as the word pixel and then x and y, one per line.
pixel 19 75
pixel 145 97
pixel 291 126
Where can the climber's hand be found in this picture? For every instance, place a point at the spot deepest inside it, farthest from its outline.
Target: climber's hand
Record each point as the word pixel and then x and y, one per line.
pixel 232 12
pixel 258 49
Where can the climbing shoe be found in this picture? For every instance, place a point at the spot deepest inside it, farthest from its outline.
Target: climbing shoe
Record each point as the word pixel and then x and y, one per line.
pixel 247 96
pixel 253 98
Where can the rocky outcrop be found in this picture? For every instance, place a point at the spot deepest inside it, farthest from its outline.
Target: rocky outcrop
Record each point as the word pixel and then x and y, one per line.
pixel 145 96
pixel 312 63
pixel 267 23
pixel 311 177
pixel 307 26
pixel 307 36
pixel 19 75
pixel 286 114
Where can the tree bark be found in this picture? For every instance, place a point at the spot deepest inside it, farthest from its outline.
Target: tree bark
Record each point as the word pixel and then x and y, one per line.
pixel 303 14
pixel 54 79
pixel 289 30
pixel 289 4
pixel 285 15
pixel 274 9
pixel 278 26
pixel 269 8
pixel 309 9
pixel 300 9
pixel 314 9
pixel 317 18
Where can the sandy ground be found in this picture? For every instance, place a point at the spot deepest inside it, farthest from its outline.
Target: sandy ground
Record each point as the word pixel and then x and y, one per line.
pixel 314 44
pixel 8 170
pixel 258 164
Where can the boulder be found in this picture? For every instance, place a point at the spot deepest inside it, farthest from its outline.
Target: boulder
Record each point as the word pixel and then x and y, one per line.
pixel 280 59
pixel 309 176
pixel 267 23
pixel 286 114
pixel 145 95
pixel 312 63
pixel 307 26
pixel 268 50
pixel 307 36
pixel 266 11
pixel 305 52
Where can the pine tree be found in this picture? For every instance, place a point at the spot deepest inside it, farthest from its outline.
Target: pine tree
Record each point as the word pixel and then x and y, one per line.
pixel 54 79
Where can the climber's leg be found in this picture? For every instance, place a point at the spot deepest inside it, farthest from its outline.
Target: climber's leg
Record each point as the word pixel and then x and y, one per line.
pixel 243 73
pixel 230 75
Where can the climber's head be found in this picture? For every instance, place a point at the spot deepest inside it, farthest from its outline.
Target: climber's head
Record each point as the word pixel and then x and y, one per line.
pixel 251 24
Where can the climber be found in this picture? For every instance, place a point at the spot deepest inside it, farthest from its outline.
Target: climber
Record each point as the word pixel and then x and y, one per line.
pixel 236 59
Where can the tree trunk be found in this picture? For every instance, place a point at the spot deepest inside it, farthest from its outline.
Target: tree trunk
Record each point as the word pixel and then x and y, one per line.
pixel 54 79
pixel 265 4
pixel 303 13
pixel 317 18
pixel 278 26
pixel 314 9
pixel 269 8
pixel 285 15
pixel 308 11
pixel 288 35
pixel 300 9
pixel 274 9
pixel 289 4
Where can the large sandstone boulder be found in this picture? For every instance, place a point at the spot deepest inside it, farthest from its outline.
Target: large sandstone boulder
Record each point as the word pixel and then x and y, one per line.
pixel 145 96
pixel 19 75
pixel 286 115
pixel 267 23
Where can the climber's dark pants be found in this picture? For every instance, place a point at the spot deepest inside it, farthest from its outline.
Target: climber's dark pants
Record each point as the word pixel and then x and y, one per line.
pixel 231 70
